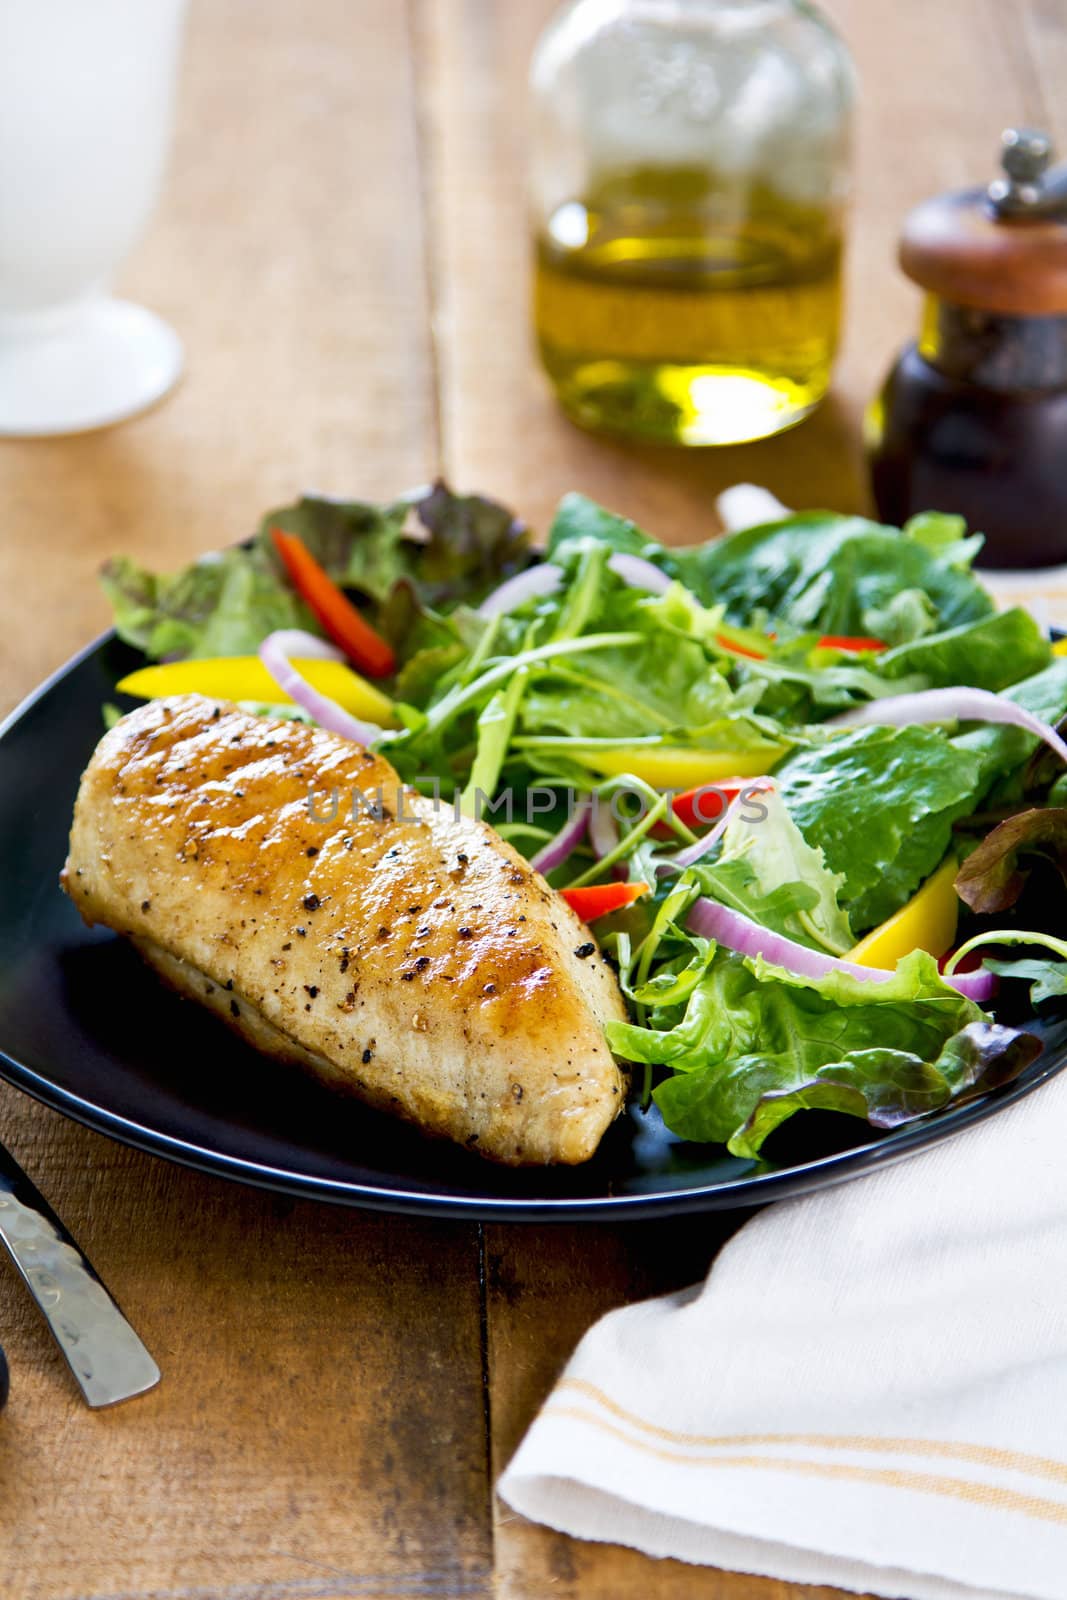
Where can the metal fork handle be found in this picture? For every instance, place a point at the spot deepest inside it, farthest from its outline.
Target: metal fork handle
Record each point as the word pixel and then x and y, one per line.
pixel 108 1360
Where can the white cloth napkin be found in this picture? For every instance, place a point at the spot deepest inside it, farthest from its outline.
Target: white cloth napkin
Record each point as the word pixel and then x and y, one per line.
pixel 870 1390
pixel 1042 591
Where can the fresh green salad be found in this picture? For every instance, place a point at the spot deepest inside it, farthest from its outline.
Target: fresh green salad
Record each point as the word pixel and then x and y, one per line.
pixel 806 780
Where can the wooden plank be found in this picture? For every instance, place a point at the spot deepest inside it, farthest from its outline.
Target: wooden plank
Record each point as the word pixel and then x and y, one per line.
pixel 1039 27
pixel 939 82
pixel 319 1431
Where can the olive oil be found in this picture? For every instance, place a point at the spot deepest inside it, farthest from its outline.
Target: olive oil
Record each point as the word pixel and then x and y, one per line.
pixel 671 307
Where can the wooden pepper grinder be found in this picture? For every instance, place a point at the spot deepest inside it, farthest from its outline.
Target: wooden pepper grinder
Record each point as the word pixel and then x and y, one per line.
pixel 973 417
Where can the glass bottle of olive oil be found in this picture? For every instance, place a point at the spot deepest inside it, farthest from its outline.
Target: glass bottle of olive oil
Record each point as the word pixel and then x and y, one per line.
pixel 689 177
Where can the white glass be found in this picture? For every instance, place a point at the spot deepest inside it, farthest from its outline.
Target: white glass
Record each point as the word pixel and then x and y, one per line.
pixel 86 102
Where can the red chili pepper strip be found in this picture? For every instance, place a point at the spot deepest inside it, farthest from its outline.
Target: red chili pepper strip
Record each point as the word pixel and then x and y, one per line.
pixel 701 807
pixel 735 649
pixel 365 648
pixel 597 899
pixel 837 641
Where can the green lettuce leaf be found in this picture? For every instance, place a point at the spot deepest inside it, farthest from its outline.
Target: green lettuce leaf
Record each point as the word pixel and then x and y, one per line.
pixel 579 518
pixel 756 1044
pixel 830 573
pixel 449 547
pixel 767 870
pixel 407 560
pixel 910 614
pixel 946 536
pixel 225 604
pixel 815 570
pixel 1003 750
pixel 880 803
pixel 992 653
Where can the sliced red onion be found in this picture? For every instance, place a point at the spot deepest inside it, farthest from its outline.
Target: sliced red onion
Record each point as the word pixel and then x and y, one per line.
pixel 738 932
pixel 276 653
pixel 542 579
pixel 746 505
pixel 948 705
pixel 708 841
pixel 694 852
pixel 307 646
pixel 569 837
pixel 604 836
pixel 603 832
pixel 639 573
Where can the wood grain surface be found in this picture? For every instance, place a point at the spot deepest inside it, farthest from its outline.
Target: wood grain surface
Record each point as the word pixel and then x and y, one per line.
pixel 342 246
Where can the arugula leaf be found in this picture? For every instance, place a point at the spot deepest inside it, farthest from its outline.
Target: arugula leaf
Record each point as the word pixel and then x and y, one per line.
pixel 495 723
pixel 880 803
pixel 647 677
pixel 756 1044
pixel 616 693
pixel 991 879
pixel 1048 979
pixel 797 692
pixel 615 698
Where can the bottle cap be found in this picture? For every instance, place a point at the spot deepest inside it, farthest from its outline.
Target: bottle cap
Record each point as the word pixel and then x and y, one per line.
pixel 1002 248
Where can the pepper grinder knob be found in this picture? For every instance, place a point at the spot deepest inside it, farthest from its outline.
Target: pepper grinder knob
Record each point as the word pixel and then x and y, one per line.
pixel 1024 153
pixel 1024 190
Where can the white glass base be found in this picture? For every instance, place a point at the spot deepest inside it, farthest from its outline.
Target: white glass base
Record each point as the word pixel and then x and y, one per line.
pixel 83 366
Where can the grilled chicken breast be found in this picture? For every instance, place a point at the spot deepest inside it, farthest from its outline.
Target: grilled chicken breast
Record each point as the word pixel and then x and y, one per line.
pixel 285 878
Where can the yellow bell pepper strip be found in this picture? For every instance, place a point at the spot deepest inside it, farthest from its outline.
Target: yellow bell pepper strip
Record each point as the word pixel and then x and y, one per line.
pixel 1060 647
pixel 673 767
pixel 927 922
pixel 246 678
pixel 597 899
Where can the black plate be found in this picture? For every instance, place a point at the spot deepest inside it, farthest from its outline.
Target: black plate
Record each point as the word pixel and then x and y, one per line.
pixel 88 1030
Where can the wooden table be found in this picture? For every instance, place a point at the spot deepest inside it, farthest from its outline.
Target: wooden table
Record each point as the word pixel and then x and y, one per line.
pixel 342 246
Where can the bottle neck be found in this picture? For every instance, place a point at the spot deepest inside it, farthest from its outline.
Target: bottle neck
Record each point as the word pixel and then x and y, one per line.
pixel 992 350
